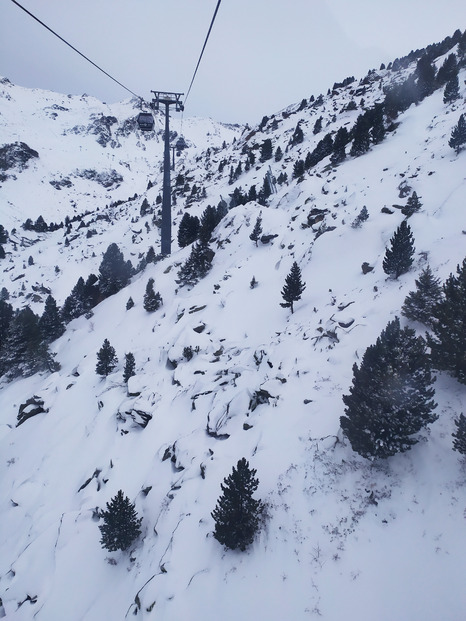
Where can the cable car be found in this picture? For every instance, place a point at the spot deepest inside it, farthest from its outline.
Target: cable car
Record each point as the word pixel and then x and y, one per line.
pixel 145 121
pixel 180 144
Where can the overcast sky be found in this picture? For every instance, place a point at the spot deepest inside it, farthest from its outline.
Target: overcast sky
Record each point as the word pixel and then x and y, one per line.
pixel 262 54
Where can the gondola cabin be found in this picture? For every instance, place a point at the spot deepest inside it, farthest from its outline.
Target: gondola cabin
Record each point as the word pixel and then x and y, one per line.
pixel 145 121
pixel 180 145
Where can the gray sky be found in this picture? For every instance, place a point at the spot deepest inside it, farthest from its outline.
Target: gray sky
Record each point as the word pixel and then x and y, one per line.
pixel 262 54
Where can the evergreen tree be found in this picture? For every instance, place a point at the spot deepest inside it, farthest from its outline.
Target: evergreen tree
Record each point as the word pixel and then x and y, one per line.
pixel 2 252
pixel 209 220
pixel 151 257
pixel 458 135
pixel 237 514
pixel 188 230
pixel 448 70
pixel 452 90
pixel 390 400
pixel 420 305
pixel 145 208
pixel 377 132
pixel 3 235
pixel 413 205
pixel 399 257
pixel 317 126
pixel 266 150
pixel 298 169
pixel 196 266
pixel 4 294
pixel 50 324
pixel 278 154
pixel 252 194
pixel 106 359
pixel 114 271
pixel 459 438
pixel 360 218
pixel 152 300
pixel 130 365
pixel 23 352
pixel 447 344
pixel 129 303
pixel 257 231
pixel 298 135
pixel 425 73
pixel 361 138
pixel 342 138
pixel 75 304
pixel 6 315
pixel 121 525
pixel 293 287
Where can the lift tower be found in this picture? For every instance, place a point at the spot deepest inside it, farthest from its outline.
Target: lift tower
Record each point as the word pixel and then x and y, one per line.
pixel 168 99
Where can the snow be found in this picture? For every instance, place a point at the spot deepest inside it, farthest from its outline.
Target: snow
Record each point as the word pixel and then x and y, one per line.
pixel 344 538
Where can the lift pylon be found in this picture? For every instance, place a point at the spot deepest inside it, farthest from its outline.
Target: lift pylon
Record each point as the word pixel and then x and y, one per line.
pixel 167 99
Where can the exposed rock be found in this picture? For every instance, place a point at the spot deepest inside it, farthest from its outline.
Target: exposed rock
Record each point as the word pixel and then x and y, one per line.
pixel 32 407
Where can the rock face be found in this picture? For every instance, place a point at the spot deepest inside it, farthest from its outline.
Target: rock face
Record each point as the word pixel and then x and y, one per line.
pixel 15 155
pixel 32 407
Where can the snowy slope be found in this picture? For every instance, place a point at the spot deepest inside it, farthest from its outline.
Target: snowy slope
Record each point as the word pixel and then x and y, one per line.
pixel 343 538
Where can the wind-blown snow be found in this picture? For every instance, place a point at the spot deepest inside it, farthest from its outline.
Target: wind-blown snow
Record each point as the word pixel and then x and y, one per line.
pixel 343 538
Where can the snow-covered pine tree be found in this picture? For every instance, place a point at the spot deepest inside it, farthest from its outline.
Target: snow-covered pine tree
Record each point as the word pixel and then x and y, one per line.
pixel 452 90
pixel 391 398
pixel 458 135
pixel 50 324
pixel 114 271
pixel 362 216
pixel 459 437
pixel 399 257
pixel 447 344
pixel 413 205
pixel 293 287
pixel 420 305
pixel 130 365
pixel 257 230
pixel 121 525
pixel 196 266
pixel 152 300
pixel 188 230
pixel 237 514
pixel 106 359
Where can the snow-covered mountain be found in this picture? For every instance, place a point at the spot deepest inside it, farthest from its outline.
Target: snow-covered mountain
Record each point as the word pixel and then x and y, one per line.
pixel 343 538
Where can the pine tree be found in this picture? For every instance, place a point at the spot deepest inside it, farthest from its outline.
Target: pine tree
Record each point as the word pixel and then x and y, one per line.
pixel 106 359
pixel 425 73
pixel 390 400
pixel 361 138
pixel 75 304
pixel 266 150
pixel 6 315
pixel 257 230
pixel 130 365
pixel 452 90
pixel 145 208
pixel 413 205
pixel 448 350
pixel 129 303
pixel 298 135
pixel 152 300
pixel 278 154
pixel 362 216
pixel 121 525
pixel 188 230
pixel 293 287
pixel 458 135
pixel 399 258
pixel 342 138
pixel 420 305
pixel 237 514
pixel 196 266
pixel 114 271
pixel 459 438
pixel 317 126
pixel 23 352
pixel 298 169
pixel 209 220
pixel 50 324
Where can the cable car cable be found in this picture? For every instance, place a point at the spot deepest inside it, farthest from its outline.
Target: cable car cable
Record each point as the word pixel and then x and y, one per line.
pixel 76 50
pixel 203 48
